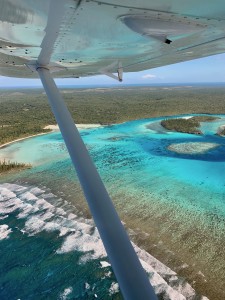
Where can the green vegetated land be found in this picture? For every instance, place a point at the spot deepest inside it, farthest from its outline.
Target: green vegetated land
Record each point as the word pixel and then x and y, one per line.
pixel 26 112
pixel 6 166
pixel 190 125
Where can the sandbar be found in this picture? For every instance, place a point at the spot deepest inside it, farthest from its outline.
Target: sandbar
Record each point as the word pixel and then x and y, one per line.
pixel 192 148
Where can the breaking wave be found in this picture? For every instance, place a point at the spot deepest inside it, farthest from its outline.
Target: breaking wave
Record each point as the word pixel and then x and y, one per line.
pixel 43 211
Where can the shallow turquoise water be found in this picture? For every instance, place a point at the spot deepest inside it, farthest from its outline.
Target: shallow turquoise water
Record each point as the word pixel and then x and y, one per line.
pixel 139 156
pixel 175 197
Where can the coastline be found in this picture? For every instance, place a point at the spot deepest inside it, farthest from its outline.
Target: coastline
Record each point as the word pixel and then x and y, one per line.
pixel 79 126
pixel 53 128
pixel 21 139
pixel 139 224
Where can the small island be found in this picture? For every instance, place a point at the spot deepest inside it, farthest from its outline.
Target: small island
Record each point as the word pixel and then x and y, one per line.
pixel 6 166
pixel 187 125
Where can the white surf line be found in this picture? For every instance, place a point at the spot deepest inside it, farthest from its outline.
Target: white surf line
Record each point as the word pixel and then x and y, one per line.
pixel 42 212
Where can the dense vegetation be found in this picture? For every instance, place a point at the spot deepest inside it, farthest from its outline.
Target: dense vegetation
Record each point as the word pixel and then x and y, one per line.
pixel 204 118
pixel 190 125
pixel 182 125
pixel 26 112
pixel 6 166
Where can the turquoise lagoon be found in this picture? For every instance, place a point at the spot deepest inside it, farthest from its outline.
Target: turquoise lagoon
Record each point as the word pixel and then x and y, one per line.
pixel 173 205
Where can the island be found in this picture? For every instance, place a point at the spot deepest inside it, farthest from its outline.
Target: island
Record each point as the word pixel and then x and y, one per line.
pixel 187 125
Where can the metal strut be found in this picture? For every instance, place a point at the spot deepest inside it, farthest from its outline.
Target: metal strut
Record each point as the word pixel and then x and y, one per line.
pixel 131 277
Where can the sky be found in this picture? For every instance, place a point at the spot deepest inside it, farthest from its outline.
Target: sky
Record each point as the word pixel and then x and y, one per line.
pixel 208 69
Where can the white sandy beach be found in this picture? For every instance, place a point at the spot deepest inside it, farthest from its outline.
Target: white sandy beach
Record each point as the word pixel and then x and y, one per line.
pixel 53 128
pixel 24 138
pixel 79 126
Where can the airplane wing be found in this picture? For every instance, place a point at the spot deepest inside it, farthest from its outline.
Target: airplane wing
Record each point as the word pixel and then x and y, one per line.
pixel 86 37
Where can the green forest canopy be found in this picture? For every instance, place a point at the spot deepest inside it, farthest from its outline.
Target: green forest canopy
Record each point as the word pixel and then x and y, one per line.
pixel 27 112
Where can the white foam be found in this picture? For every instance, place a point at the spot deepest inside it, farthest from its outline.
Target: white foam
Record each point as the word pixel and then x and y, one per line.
pixel 10 206
pixel 36 191
pixel 65 293
pixel 6 194
pixel 34 225
pixel 27 210
pixel 47 215
pixel 4 231
pixel 155 268
pixel 83 242
pixel 28 196
pixel 60 211
pixel 108 274
pixel 114 288
pixel 80 235
pixel 85 258
pixel 104 264
pixel 152 261
pixel 87 286
pixel 71 216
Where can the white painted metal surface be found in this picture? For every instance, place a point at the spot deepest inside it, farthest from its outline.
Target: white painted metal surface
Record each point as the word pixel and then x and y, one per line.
pixel 90 35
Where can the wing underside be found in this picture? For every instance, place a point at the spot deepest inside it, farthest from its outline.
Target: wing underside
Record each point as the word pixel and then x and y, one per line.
pixel 84 38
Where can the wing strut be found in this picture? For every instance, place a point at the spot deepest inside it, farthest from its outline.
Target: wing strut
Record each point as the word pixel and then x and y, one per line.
pixel 131 277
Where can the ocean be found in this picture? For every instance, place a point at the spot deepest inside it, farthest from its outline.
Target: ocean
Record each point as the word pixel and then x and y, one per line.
pixel 168 188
